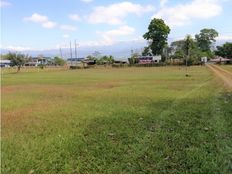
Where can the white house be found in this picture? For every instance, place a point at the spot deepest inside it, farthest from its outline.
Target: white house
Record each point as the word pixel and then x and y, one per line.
pixel 149 59
pixel 203 59
pixel 5 63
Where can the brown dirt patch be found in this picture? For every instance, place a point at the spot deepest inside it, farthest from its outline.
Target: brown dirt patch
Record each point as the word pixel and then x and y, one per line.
pixel 107 85
pixel 224 75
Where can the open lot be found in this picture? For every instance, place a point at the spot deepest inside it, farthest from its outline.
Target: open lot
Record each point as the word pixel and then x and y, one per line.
pixel 128 120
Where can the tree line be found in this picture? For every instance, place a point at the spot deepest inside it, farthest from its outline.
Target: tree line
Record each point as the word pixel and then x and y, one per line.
pixel 202 45
pixel 187 49
pixel 18 59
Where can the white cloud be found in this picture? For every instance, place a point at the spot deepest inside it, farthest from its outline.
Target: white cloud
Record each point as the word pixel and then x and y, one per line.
pixel 86 1
pixel 16 48
pixel 68 27
pixel 163 2
pixel 4 3
pixel 109 37
pixel 46 23
pixel 66 36
pixel 183 14
pixel 75 17
pixel 115 13
pixel 224 37
pixel 42 20
pixel 49 24
pixel 121 31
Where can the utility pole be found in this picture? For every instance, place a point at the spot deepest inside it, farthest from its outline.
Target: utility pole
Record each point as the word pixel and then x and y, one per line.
pixel 70 49
pixel 75 49
pixel 61 55
pixel 71 53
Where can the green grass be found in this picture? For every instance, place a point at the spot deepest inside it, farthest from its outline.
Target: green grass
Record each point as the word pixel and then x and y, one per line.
pixel 132 120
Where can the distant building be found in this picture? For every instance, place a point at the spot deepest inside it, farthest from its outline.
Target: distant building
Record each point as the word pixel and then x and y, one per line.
pixel 32 62
pixel 220 60
pixel 36 61
pixel 149 59
pixel 5 63
pixel 74 61
pixel 89 62
pixel 203 60
pixel 120 62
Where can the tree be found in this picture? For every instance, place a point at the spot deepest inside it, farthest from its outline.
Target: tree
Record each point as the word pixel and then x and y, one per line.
pixel 225 50
pixel 134 59
pixel 90 57
pixel 146 51
pixel 105 60
pixel 187 49
pixel 59 61
pixel 17 59
pixel 157 35
pixel 206 38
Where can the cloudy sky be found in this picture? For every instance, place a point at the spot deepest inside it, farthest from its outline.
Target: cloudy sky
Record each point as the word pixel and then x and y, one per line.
pixel 48 24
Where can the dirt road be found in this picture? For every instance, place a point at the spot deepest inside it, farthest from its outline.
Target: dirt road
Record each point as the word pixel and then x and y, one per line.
pixel 225 75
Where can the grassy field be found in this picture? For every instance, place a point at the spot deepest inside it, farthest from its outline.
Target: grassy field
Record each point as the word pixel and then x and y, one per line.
pixel 131 120
pixel 227 67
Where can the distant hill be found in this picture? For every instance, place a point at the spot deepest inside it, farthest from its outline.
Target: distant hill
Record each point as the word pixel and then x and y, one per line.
pixel 120 50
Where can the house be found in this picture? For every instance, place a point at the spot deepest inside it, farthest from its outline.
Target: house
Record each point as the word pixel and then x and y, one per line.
pixel 120 62
pixel 5 63
pixel 74 63
pixel 204 60
pixel 89 62
pixel 220 60
pixel 149 59
pixel 32 62
pixel 36 61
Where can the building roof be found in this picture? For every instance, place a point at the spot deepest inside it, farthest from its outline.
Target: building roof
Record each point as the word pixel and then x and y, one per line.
pixel 220 59
pixel 75 59
pixel 5 61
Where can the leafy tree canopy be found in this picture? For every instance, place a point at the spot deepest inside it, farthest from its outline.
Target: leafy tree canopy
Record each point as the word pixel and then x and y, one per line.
pixel 225 50
pixel 17 59
pixel 157 35
pixel 206 38
pixel 59 61
pixel 105 60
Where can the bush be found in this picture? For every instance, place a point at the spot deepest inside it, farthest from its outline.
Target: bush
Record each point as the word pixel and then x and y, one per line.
pixel 75 67
pixel 41 66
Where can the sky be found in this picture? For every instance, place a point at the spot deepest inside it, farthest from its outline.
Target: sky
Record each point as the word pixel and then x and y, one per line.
pixel 51 24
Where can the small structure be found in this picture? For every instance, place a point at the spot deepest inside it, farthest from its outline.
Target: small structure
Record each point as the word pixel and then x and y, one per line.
pixel 89 62
pixel 42 60
pixel 220 60
pixel 204 60
pixel 75 61
pixel 5 63
pixel 149 59
pixel 32 62
pixel 36 61
pixel 120 62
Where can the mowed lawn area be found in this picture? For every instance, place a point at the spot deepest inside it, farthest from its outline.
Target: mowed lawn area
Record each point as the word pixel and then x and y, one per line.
pixel 125 120
pixel 227 67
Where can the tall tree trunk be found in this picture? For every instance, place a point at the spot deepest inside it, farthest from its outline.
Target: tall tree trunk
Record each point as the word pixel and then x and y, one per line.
pixel 19 68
